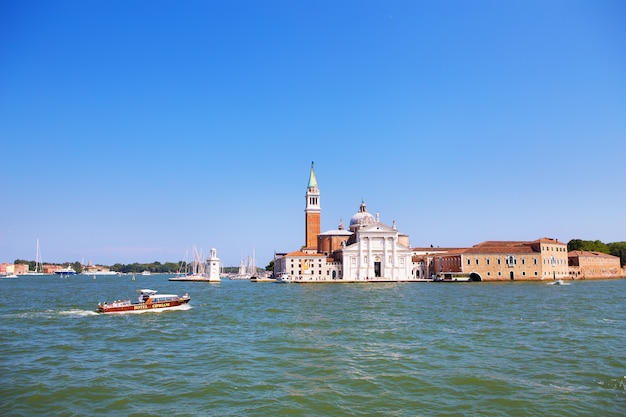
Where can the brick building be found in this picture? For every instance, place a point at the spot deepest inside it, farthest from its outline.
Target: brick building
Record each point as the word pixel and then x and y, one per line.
pixel 589 265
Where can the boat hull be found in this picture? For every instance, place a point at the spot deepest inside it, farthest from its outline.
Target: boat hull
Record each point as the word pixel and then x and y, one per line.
pixel 143 307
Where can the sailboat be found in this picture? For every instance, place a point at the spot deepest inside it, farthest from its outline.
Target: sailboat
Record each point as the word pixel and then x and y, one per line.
pixel 247 270
pixel 199 271
pixel 242 273
pixel 38 264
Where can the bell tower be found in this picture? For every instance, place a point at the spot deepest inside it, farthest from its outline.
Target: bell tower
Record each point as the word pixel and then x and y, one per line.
pixel 312 212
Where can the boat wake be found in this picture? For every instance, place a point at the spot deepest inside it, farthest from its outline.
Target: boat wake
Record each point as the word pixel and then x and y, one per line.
pixel 78 313
pixel 558 282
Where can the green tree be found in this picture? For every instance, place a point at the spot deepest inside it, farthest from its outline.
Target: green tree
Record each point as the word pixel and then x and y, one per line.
pixel 170 267
pixel 618 249
pixel 574 244
pixel 588 245
pixel 270 266
pixel 77 266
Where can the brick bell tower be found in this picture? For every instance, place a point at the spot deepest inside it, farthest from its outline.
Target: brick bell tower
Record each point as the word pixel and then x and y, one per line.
pixel 312 213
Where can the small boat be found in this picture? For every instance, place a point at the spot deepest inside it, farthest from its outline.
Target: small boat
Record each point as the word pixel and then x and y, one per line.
pixel 558 282
pixel 66 271
pixel 146 272
pixel 148 300
pixel 283 278
pixel 98 272
pixel 10 275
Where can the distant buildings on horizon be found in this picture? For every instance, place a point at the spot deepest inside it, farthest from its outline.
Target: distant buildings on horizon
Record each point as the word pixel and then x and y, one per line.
pixel 370 251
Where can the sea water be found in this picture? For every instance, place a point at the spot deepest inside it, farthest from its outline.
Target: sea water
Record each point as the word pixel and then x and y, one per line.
pixel 266 349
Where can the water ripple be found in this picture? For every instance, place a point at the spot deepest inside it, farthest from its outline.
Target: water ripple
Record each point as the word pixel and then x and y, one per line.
pixel 264 350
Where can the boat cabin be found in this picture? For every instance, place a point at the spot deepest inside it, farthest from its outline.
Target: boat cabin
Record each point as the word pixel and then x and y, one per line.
pixel 162 298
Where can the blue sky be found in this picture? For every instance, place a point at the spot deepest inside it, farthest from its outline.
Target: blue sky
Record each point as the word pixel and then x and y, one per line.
pixel 132 131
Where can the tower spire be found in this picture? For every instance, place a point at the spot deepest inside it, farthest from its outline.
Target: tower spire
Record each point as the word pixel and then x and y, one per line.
pixel 312 179
pixel 312 212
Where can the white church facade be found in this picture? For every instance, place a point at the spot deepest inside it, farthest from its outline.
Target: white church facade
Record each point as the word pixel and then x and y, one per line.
pixel 370 251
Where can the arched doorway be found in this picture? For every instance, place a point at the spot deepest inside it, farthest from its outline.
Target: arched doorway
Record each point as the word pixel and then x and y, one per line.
pixel 475 277
pixel 512 275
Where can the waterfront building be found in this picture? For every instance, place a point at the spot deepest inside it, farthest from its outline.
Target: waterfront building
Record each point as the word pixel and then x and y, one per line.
pixel 589 264
pixel 17 269
pixel 542 259
pixel 369 251
pixel 377 252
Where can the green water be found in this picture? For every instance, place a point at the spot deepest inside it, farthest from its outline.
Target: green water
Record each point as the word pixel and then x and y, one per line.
pixel 264 349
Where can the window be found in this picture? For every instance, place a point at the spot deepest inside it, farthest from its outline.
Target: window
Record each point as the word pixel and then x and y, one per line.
pixel 488 262
pixel 469 261
pixel 511 261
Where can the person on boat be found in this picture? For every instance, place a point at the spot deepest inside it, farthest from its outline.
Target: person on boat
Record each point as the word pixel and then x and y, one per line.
pixel 140 298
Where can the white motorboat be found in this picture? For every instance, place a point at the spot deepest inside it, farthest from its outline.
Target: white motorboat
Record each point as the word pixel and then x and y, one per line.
pixel 283 278
pixel 66 271
pixel 558 282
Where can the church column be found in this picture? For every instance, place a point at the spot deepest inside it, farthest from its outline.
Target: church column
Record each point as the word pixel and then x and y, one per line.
pixel 370 271
pixel 359 260
pixel 393 256
pixel 384 264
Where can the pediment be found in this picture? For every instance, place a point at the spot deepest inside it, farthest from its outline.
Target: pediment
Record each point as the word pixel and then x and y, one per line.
pixel 377 228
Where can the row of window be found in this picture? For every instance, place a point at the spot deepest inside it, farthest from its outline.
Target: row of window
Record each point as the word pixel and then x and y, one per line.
pixel 308 263
pixel 376 259
pixel 536 273
pixel 555 248
pixel 510 261
pixel 500 273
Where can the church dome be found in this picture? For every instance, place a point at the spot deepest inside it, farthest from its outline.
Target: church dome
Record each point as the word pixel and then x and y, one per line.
pixel 362 218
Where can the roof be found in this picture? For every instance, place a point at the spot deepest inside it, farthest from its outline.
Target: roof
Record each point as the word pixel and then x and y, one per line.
pixel 589 254
pixel 494 246
pixel 336 232
pixel 312 179
pixel 549 240
pixel 431 249
pixel 304 254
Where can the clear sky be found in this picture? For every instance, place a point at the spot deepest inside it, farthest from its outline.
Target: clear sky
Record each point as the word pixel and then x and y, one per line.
pixel 132 131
